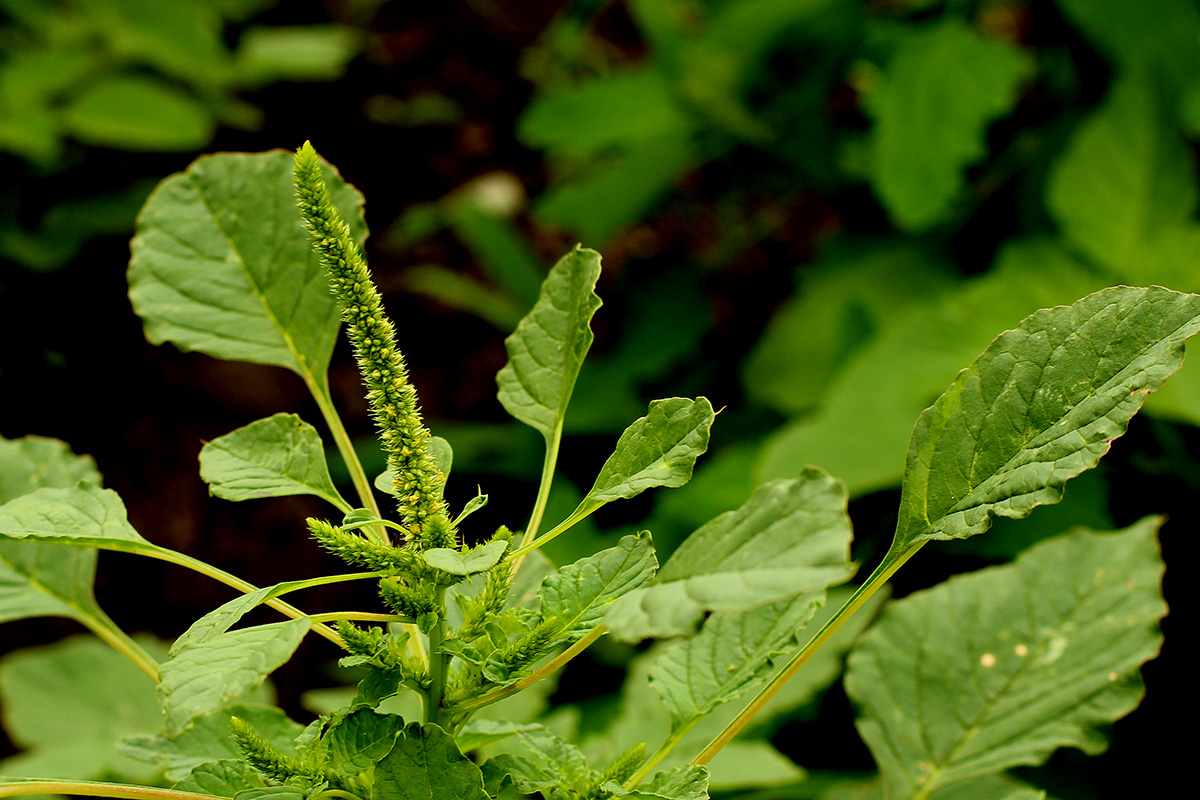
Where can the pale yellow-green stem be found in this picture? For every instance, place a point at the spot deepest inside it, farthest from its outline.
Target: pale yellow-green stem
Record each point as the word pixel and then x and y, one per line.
pixel 99 789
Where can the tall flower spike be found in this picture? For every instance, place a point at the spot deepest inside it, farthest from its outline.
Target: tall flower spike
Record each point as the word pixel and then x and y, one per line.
pixel 392 399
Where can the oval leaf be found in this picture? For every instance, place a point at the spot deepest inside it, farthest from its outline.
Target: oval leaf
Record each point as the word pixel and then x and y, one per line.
pixel 274 457
pixel 547 349
pixel 477 559
pixel 222 265
pixel 426 764
pixel 1002 666
pixel 791 537
pixel 1039 406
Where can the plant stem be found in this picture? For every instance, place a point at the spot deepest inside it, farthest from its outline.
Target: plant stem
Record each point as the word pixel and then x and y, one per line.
pixel 892 561
pixel 535 676
pixel 439 663
pixel 99 789
pixel 361 616
pixel 103 626
pixel 341 438
pixel 543 497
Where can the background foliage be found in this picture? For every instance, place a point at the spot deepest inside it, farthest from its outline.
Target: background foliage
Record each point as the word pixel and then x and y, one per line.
pixel 813 211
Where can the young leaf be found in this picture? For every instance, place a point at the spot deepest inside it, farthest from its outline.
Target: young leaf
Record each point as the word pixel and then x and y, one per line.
pixel 221 264
pixel 1000 667
pixel 274 457
pixel 659 449
pixel 578 595
pixel 224 778
pixel 732 653
pixel 204 677
pixel 38 579
pixel 547 348
pixel 360 739
pixel 426 764
pixel 477 559
pixel 791 537
pixel 1042 404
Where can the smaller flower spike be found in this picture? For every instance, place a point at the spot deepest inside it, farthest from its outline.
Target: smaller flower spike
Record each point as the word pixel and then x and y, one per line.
pixel 393 400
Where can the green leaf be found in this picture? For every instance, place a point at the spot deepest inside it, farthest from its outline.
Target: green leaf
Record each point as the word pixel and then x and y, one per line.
pixel 477 559
pixel 548 347
pixel 131 112
pixel 224 778
pixel 1000 667
pixel 791 537
pixel 659 449
pixel 38 579
pixel 358 740
pixel 1042 404
pixel 299 53
pixel 680 783
pixel 67 704
pixel 84 515
pixel 944 84
pixel 272 793
pixel 426 764
pixel 204 677
pixel 1125 177
pixel 862 429
pixel 208 739
pixel 222 265
pixel 278 456
pixel 578 595
pixel 732 654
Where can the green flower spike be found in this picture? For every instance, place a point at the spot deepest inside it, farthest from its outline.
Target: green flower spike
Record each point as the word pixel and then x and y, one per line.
pixel 393 400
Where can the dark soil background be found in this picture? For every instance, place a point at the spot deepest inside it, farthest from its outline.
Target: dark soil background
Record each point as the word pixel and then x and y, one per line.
pixel 75 366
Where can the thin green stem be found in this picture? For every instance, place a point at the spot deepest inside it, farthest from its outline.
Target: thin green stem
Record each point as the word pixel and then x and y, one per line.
pixel 892 561
pixel 360 616
pixel 675 738
pixel 358 476
pixel 528 547
pixel 541 672
pixel 543 497
pixel 99 789
pixel 439 663
pixel 108 631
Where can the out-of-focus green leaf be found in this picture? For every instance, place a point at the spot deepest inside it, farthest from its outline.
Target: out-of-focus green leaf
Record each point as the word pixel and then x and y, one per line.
pixel 1124 178
pixel 426 764
pixel 181 38
pixel 138 113
pixel 791 537
pixel 1042 404
pixel 578 595
pixel 203 678
pixel 68 704
pixel 224 778
pixel 942 87
pixel 301 53
pixel 862 430
pixel 208 740
pixel 549 345
pixel 840 305
pixel 274 457
pixel 1000 667
pixel 222 265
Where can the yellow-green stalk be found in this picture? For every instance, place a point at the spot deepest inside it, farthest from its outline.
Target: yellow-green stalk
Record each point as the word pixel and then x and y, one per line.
pixel 392 399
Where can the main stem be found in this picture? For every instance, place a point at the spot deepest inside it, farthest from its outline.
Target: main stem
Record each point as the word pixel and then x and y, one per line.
pixel 98 789
pixel 439 663
pixel 891 562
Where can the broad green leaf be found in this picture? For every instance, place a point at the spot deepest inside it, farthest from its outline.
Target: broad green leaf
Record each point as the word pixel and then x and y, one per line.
pixel 659 449
pixel 480 732
pixel 358 740
pixel 990 787
pixel 67 704
pixel 39 579
pixel 556 761
pixel 862 430
pixel 298 53
pixel 791 537
pixel 208 739
pixel 204 677
pixel 274 457
pixel 477 559
pixel 426 764
pixel 548 347
pixel 224 778
pixel 272 793
pixel 578 595
pixel 1125 177
pixel 680 783
pixel 1000 667
pixel 1042 404
pixel 133 112
pixel 222 265
pixel 942 87
pixel 731 654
